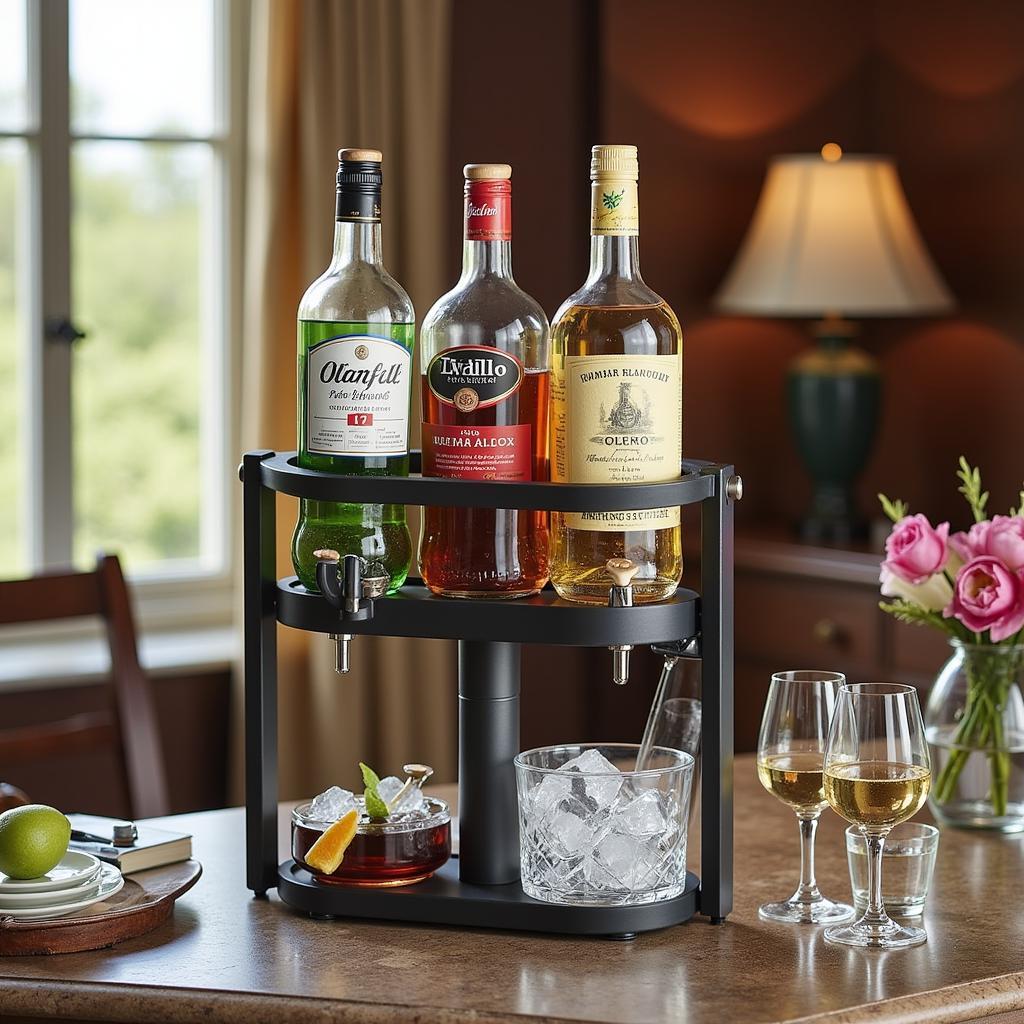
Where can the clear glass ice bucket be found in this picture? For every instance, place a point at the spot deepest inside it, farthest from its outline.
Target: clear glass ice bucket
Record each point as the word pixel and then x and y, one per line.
pixel 602 838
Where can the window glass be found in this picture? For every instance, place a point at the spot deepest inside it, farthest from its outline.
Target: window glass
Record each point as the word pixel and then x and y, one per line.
pixel 13 51
pixel 140 235
pixel 140 67
pixel 13 457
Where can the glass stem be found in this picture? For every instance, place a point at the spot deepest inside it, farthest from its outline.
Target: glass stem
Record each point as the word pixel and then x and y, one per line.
pixel 875 914
pixel 808 891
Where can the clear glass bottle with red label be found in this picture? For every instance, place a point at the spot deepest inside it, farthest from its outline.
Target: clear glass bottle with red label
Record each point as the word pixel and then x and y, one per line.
pixel 485 360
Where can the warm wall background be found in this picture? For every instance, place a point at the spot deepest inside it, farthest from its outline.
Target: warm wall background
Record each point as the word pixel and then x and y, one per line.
pixel 710 92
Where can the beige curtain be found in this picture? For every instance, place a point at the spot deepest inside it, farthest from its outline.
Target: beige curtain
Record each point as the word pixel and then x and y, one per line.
pixel 325 74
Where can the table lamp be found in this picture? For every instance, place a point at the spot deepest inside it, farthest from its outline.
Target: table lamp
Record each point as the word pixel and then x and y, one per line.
pixel 832 237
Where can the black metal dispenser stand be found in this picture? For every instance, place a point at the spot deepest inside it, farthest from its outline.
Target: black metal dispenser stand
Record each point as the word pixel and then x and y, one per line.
pixel 481 886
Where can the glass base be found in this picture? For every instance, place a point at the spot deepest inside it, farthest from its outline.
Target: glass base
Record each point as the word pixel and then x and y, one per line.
pixel 886 934
pixel 795 911
pixel 978 814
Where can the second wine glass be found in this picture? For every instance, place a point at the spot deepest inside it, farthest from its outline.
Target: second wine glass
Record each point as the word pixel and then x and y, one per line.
pixel 790 763
pixel 877 774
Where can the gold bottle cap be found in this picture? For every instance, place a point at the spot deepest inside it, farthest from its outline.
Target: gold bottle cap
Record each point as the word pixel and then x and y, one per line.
pixel 326 555
pixel 487 172
pixel 373 156
pixel 614 162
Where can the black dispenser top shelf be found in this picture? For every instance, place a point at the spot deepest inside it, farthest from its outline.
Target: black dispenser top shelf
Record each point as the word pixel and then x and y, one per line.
pixel 279 472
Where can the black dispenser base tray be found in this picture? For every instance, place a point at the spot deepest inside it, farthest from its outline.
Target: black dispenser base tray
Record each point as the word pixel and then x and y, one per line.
pixel 443 899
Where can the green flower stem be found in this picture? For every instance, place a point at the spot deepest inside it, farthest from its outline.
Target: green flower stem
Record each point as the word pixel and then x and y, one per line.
pixel 981 729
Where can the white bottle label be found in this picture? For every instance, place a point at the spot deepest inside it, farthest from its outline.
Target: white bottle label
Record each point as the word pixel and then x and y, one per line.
pixel 357 396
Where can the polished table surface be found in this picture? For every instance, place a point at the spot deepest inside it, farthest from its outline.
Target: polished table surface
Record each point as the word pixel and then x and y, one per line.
pixel 228 957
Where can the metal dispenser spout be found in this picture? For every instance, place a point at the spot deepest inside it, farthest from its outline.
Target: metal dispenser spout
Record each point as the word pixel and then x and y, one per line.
pixel 620 595
pixel 351 585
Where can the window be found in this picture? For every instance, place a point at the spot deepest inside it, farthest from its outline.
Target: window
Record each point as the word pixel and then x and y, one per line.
pixel 119 200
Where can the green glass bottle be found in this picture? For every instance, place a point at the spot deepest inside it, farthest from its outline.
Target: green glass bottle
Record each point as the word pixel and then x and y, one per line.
pixel 355 338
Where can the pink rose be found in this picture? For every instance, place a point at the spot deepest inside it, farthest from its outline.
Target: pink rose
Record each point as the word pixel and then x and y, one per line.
pixel 988 595
pixel 1001 537
pixel 915 549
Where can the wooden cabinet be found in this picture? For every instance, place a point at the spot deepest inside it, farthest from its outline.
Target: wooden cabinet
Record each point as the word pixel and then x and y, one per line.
pixel 799 606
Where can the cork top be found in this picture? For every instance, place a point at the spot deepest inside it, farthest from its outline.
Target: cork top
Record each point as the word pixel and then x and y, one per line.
pixel 614 162
pixel 373 156
pixel 487 172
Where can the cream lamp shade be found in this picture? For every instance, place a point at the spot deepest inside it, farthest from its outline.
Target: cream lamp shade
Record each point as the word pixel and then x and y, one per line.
pixel 833 237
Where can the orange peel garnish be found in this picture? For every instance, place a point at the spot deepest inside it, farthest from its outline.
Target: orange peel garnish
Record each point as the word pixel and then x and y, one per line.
pixel 327 853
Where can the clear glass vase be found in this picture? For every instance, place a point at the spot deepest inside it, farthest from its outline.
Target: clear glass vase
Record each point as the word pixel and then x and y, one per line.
pixel 975 727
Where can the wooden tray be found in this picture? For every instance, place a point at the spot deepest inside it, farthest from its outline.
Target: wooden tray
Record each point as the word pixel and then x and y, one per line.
pixel 146 901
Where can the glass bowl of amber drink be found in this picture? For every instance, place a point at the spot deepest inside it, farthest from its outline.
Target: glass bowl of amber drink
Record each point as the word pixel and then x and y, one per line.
pixel 398 850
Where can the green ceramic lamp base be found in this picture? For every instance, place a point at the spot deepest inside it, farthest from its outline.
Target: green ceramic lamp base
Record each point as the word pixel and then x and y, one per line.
pixel 834 392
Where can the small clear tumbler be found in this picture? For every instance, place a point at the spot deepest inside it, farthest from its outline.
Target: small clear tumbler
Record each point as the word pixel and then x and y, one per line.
pixel 908 860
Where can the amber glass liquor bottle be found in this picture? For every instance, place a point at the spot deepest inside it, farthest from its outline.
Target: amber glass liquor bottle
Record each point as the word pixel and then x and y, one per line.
pixel 485 359
pixel 617 408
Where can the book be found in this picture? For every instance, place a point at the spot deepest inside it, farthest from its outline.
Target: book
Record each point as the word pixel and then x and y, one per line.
pixel 153 848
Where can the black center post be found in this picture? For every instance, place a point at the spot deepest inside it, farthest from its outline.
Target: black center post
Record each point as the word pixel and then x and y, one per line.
pixel 488 741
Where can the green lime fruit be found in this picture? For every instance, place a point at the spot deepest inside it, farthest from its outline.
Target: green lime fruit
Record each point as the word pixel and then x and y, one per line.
pixel 33 839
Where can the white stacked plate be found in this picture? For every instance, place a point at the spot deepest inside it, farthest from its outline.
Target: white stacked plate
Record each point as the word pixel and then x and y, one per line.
pixel 78 881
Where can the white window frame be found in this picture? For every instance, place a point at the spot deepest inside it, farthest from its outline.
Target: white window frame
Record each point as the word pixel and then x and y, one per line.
pixel 176 595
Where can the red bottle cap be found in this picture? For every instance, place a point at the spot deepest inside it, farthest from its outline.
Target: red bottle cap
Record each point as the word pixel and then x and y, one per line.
pixel 488 202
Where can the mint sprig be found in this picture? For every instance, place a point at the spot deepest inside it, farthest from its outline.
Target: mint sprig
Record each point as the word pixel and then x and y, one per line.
pixel 374 803
pixel 370 778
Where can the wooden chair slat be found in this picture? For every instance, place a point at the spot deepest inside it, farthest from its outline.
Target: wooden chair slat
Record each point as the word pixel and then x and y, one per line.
pixel 130 729
pixel 50 596
pixel 89 731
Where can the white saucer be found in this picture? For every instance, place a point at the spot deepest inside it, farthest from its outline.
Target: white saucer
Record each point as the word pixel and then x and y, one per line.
pixel 18 900
pixel 74 869
pixel 111 882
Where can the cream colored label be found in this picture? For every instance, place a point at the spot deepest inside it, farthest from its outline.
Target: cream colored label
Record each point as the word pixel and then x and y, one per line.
pixel 614 209
pixel 618 419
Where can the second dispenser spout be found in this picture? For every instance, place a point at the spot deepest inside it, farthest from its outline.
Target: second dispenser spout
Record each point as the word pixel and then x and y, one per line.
pixel 620 595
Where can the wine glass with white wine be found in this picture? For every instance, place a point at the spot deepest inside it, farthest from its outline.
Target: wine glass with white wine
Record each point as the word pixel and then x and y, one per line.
pixel 877 774
pixel 790 762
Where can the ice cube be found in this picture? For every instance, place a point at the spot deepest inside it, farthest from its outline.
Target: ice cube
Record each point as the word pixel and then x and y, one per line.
pixel 643 816
pixel 604 785
pixel 613 863
pixel 331 804
pixel 412 799
pixel 552 790
pixel 569 835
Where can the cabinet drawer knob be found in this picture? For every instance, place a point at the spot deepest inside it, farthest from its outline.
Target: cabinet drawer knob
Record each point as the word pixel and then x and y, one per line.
pixel 826 631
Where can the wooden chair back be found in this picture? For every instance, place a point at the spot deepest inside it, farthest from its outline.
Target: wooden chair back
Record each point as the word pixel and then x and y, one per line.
pixel 130 727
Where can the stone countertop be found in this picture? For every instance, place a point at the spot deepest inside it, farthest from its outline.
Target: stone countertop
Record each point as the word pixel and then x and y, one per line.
pixel 227 957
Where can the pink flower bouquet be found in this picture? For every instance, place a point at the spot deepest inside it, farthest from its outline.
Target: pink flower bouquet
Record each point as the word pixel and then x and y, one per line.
pixel 971 586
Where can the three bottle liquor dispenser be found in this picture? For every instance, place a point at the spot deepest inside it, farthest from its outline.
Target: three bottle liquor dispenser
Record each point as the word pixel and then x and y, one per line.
pixel 597 398
pixel 549 454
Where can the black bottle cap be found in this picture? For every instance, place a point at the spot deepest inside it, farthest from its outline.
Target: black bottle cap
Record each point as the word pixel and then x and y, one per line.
pixel 359 170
